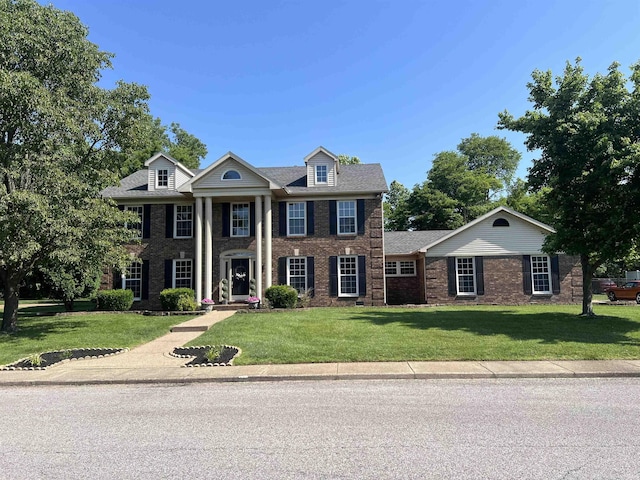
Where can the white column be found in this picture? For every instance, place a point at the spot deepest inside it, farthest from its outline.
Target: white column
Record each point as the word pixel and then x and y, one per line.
pixel 267 242
pixel 208 247
pixel 197 260
pixel 258 273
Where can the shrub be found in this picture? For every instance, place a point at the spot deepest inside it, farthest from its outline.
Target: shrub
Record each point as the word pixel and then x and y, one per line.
pixel 282 296
pixel 178 299
pixel 114 300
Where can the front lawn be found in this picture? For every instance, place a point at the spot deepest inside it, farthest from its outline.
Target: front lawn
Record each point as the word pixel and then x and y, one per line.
pixel 438 333
pixel 38 334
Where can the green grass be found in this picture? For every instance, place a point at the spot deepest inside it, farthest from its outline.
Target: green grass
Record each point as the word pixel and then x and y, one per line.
pixel 38 333
pixel 439 333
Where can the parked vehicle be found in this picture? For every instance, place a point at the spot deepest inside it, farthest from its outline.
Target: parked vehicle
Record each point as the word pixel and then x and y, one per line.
pixel 600 285
pixel 628 291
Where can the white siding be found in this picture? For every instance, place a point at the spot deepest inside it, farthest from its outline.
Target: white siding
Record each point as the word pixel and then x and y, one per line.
pixel 181 178
pixel 213 179
pixel 321 158
pixel 483 239
pixel 162 164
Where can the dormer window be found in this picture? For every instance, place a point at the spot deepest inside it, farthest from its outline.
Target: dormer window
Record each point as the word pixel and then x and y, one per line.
pixel 231 175
pixel 321 174
pixel 162 178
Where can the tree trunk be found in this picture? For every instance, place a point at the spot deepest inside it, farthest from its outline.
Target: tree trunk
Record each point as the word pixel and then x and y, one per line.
pixel 587 290
pixel 68 305
pixel 11 299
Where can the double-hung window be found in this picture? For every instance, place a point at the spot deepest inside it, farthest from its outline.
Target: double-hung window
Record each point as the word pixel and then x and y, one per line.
pixel 465 276
pixel 540 274
pixel 182 273
pixel 322 174
pixel 297 273
pixel 135 227
pixel 346 217
pixel 348 276
pixel 133 280
pixel 240 220
pixel 296 221
pixel 183 221
pixel 162 178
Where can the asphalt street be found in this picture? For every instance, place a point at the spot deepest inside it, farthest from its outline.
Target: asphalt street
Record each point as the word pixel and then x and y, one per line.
pixel 446 429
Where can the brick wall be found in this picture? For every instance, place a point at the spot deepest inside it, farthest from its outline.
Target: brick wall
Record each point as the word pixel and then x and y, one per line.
pixel 503 283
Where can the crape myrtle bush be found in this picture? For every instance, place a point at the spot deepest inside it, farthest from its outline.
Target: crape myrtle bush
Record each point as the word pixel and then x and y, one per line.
pixel 282 296
pixel 114 300
pixel 178 299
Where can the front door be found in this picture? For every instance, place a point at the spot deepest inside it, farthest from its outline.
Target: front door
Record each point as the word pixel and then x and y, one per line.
pixel 240 276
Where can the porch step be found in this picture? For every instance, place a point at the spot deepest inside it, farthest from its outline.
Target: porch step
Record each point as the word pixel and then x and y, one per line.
pixel 190 328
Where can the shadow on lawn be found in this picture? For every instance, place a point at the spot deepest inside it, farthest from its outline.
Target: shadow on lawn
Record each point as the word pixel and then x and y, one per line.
pixel 35 328
pixel 546 327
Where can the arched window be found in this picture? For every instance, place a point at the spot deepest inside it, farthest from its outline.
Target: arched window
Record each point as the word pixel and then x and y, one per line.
pixel 231 175
pixel 500 222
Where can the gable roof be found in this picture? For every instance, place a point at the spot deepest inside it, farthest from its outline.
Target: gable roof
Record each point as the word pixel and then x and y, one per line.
pixel 406 243
pixel 170 159
pixel 472 223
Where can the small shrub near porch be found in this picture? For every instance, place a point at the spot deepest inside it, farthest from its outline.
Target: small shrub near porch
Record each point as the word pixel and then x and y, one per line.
pixel 282 296
pixel 178 300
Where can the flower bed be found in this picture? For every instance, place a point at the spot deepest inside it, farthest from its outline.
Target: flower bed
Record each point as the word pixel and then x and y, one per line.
pixel 43 360
pixel 203 358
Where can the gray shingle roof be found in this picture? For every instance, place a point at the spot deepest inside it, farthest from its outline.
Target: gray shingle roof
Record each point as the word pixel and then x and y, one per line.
pixel 362 178
pixel 403 243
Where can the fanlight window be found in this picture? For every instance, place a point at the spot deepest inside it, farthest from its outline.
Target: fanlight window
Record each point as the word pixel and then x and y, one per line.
pixel 501 222
pixel 231 175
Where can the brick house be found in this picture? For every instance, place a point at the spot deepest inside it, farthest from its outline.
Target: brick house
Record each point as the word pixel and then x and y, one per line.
pixel 317 227
pixel 494 259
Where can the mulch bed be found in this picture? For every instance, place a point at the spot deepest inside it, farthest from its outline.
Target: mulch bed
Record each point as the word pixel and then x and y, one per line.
pixel 47 359
pixel 227 354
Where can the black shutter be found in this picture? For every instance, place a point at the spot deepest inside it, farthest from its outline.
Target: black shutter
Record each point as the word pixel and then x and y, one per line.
pixel 168 273
pixel 311 276
pixel 282 219
pixel 282 271
pixel 121 208
pixel 145 280
pixel 362 275
pixel 310 219
pixel 333 276
pixel 146 221
pixel 252 219
pixel 333 218
pixel 168 220
pixel 526 274
pixel 226 219
pixel 555 275
pixel 479 276
pixel 360 216
pixel 451 275
pixel 117 279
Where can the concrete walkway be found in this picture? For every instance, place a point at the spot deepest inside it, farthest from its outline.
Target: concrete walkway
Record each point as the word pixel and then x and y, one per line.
pixel 151 363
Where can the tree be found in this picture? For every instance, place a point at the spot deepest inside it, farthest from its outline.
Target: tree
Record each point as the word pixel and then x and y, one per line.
pixel 61 137
pixel 396 214
pixel 155 137
pixel 533 204
pixel 345 159
pixel 588 133
pixel 433 210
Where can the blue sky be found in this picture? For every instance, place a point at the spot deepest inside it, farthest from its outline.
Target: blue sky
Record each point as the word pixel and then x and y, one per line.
pixel 392 82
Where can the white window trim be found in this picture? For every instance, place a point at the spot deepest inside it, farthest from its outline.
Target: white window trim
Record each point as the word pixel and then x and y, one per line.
pixel 248 223
pixel 399 270
pixel 304 220
pixel 326 174
pixel 533 283
pixel 230 179
pixel 306 272
pixel 175 265
pixel 175 220
pixel 355 217
pixel 158 177
pixel 473 275
pixel 139 210
pixel 340 275
pixel 126 279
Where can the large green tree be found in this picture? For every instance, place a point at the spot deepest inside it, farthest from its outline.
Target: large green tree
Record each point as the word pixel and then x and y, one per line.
pixel 396 215
pixel 587 131
pixel 60 141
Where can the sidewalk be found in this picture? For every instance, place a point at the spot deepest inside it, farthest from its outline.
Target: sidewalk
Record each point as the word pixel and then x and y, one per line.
pixel 151 363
